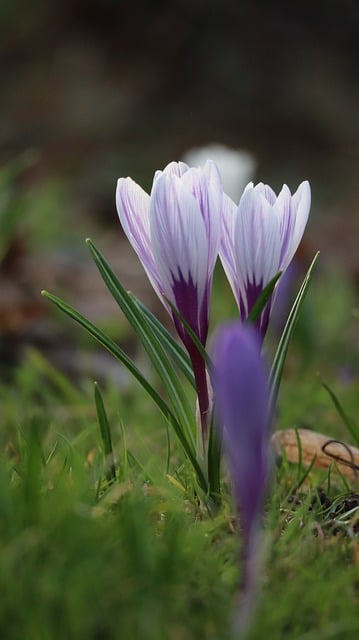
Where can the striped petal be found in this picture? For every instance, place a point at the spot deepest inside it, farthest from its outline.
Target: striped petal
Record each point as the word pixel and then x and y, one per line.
pixel 133 207
pixel 226 249
pixel 206 187
pixel 266 191
pixel 173 168
pixel 179 238
pixel 256 246
pixel 301 201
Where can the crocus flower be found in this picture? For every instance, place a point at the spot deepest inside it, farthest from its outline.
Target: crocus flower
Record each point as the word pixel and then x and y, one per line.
pixel 240 385
pixel 176 233
pixel 259 238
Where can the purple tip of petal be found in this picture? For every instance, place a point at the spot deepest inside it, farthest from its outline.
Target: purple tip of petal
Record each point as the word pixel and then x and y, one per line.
pixel 240 384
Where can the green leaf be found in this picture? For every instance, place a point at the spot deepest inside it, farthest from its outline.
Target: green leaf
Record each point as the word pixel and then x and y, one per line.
pixel 349 423
pixel 152 345
pixel 111 346
pixel 262 300
pixel 280 355
pixel 105 435
pixel 118 353
pixel 174 350
pixel 214 461
pixel 198 344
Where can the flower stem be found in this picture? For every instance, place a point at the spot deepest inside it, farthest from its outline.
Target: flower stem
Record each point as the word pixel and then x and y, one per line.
pixel 200 375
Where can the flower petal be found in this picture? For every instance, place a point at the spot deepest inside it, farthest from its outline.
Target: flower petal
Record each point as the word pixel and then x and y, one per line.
pixel 301 201
pixel 206 187
pixel 133 206
pixel 293 212
pixel 178 235
pixel 174 168
pixel 286 217
pixel 266 191
pixel 226 249
pixel 256 243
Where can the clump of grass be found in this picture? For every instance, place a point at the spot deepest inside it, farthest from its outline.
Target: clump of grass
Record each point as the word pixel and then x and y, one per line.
pixel 137 558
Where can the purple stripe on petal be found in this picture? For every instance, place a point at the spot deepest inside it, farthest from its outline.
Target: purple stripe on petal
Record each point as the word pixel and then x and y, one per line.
pixel 185 298
pixel 195 312
pixel 246 305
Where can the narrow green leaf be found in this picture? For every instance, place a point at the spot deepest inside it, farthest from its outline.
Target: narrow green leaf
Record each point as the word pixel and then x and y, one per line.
pixel 279 358
pixel 174 350
pixel 198 344
pixel 263 299
pixel 122 467
pixel 305 475
pixel 111 346
pixel 160 361
pixel 348 422
pixel 214 461
pixel 118 353
pixel 105 434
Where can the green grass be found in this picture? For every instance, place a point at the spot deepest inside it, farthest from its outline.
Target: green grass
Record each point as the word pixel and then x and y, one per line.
pixel 84 558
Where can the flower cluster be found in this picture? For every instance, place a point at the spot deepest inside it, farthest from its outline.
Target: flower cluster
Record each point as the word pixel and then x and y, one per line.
pixel 186 222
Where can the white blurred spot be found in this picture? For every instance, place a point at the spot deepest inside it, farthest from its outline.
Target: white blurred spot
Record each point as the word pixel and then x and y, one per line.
pixel 237 167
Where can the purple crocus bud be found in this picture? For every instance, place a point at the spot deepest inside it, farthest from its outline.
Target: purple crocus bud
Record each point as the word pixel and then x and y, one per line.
pixel 259 239
pixel 176 233
pixel 240 385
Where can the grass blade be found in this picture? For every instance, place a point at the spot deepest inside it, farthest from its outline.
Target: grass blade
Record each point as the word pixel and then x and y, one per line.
pixel 263 299
pixel 279 358
pixel 214 461
pixel 105 435
pixel 348 422
pixel 174 350
pixel 198 344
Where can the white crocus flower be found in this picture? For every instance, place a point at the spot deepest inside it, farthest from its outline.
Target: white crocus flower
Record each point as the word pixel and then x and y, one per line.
pixel 175 232
pixel 259 238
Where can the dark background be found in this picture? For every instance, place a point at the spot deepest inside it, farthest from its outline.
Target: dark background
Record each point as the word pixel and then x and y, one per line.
pixel 104 89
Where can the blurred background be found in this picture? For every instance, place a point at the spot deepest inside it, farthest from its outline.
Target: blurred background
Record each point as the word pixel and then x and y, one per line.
pixel 94 90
